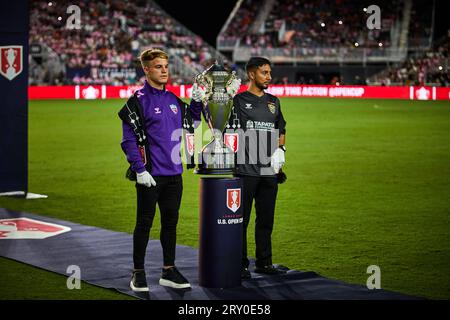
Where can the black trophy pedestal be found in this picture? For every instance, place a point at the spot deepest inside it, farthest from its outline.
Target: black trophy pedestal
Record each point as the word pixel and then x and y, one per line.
pixel 213 171
pixel 221 220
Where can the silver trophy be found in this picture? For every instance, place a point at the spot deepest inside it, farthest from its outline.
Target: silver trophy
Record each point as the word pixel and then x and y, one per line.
pixel 216 157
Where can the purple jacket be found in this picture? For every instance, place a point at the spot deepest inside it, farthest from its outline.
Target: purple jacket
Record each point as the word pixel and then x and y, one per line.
pixel 162 115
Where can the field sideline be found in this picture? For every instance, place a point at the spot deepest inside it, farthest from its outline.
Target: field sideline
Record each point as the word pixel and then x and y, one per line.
pixel 368 184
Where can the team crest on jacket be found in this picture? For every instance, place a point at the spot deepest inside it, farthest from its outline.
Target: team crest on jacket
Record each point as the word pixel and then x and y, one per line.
pixel 174 108
pixel 232 141
pixel 272 107
pixel 234 199
pixel 11 61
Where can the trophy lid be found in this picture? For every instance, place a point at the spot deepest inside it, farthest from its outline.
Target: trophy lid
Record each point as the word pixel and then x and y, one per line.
pixel 216 67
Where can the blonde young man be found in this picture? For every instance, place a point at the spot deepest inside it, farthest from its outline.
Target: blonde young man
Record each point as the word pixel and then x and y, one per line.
pixel 149 119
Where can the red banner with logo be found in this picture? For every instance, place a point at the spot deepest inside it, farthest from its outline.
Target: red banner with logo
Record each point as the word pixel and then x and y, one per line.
pixel 183 91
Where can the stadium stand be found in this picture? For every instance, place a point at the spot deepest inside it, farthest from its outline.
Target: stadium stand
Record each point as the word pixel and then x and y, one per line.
pixel 420 28
pixel 303 37
pixel 428 68
pixel 105 49
pixel 295 23
pixel 294 30
pixel 334 36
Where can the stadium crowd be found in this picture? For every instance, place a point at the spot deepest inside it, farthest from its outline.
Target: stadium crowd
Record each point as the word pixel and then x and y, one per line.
pixel 105 49
pixel 313 23
pixel 430 67
pixel 111 36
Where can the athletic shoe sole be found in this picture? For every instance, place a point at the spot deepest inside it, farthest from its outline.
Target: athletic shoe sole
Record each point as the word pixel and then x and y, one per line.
pixel 270 273
pixel 135 289
pixel 171 284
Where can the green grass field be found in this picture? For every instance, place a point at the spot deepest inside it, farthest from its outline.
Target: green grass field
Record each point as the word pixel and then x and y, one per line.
pixel 368 184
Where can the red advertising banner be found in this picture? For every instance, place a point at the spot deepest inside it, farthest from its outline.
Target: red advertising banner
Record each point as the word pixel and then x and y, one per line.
pixel 51 92
pixel 443 93
pixel 183 91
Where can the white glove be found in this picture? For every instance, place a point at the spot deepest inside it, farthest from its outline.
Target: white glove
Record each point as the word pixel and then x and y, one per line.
pixel 197 93
pixel 234 86
pixel 145 179
pixel 277 160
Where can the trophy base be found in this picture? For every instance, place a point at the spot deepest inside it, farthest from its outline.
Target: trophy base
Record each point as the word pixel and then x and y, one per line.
pixel 214 171
pixel 215 163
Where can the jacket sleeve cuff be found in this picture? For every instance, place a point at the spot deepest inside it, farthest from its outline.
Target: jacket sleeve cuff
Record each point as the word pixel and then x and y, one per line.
pixel 140 169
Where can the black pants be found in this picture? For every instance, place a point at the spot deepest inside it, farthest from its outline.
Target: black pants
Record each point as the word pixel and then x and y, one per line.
pixel 167 193
pixel 264 191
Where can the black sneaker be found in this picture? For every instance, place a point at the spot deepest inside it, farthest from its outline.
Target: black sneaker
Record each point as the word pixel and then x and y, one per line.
pixel 139 282
pixel 173 278
pixel 269 269
pixel 245 274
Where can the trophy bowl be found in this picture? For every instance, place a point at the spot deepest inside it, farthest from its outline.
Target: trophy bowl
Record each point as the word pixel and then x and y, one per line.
pixel 216 157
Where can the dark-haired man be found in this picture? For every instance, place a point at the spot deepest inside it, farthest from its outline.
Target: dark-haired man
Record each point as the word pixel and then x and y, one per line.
pixel 259 115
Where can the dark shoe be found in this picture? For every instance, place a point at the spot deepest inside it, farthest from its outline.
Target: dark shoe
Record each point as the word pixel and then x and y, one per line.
pixel 138 281
pixel 270 269
pixel 281 267
pixel 173 278
pixel 245 274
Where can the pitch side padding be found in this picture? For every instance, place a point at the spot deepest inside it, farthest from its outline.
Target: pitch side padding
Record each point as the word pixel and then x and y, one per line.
pixel 14 17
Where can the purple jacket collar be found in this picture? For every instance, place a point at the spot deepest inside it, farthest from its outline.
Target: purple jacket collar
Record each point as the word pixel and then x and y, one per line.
pixel 153 90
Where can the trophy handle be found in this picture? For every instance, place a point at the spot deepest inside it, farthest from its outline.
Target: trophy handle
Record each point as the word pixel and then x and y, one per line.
pixel 203 81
